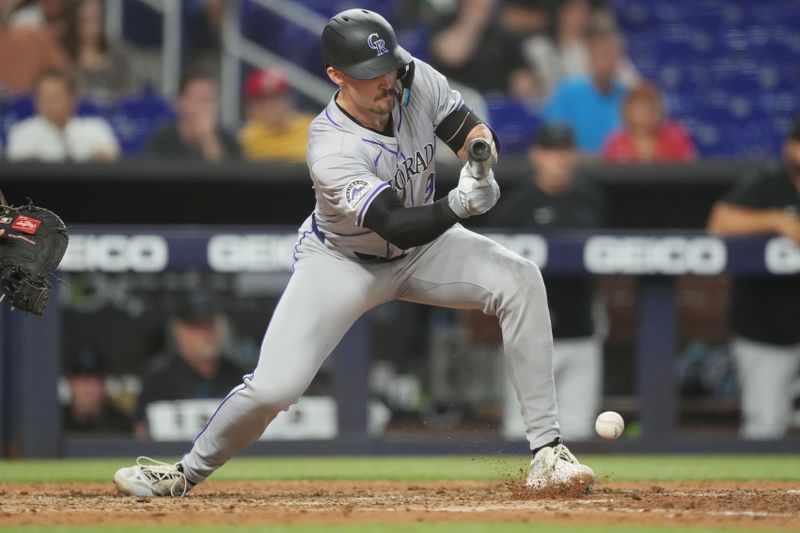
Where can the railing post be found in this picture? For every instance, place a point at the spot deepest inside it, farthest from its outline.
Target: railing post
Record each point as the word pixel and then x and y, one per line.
pixel 32 350
pixel 172 31
pixel 351 392
pixel 655 353
pixel 114 19
pixel 5 399
pixel 231 71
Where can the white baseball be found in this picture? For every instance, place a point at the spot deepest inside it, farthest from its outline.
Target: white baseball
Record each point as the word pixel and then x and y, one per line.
pixel 609 425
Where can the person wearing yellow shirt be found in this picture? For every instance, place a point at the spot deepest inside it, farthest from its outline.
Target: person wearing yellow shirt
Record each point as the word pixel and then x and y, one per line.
pixel 273 130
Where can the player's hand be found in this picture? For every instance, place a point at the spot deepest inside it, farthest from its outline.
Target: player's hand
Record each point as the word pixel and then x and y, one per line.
pixel 2 234
pixel 473 196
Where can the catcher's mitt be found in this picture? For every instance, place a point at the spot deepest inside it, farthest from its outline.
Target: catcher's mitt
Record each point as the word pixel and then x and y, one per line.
pixel 32 243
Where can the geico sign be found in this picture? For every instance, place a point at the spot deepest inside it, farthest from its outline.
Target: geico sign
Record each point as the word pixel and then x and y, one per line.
pixel 251 253
pixel 654 255
pixel 531 247
pixel 115 253
pixel 782 256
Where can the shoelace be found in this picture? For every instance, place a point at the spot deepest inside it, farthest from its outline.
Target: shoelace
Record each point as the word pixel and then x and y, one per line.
pixel 563 453
pixel 160 471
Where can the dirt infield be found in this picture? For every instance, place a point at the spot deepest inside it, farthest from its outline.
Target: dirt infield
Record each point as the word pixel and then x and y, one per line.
pixel 720 504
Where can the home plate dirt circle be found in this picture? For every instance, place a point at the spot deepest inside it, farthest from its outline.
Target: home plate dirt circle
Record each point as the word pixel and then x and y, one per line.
pixel 773 505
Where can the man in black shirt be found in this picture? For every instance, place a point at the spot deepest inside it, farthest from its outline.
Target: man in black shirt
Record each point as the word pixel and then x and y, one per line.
pixel 193 366
pixel 195 134
pixel 556 199
pixel 764 311
pixel 90 410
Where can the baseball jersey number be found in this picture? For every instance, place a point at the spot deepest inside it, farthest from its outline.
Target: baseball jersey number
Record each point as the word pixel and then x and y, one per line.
pixel 429 188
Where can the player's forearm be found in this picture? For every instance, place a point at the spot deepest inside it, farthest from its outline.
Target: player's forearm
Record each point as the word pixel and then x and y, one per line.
pixel 727 219
pixel 407 227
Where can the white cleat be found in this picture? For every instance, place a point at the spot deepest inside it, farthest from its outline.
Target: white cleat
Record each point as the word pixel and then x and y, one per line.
pixel 556 468
pixel 152 478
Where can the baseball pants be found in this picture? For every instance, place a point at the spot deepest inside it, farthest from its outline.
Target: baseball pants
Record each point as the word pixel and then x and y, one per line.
pixel 330 289
pixel 578 367
pixel 766 373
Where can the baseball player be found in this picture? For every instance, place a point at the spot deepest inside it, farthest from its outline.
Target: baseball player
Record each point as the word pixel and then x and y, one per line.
pixel 376 235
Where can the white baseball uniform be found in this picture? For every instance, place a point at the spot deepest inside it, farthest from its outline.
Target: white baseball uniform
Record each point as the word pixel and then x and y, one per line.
pixel 331 286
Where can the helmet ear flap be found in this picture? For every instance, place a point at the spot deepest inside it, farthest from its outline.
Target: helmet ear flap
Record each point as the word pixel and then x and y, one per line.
pixel 405 78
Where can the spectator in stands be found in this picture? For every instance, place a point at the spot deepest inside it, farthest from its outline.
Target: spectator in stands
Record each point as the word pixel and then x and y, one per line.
pixel 646 136
pixel 102 70
pixel 557 199
pixel 44 14
pixel 274 130
pixel 565 51
pixel 764 311
pixel 25 51
pixel 196 133
pixel 528 17
pixel 591 104
pixel 194 365
pixel 470 47
pixel 55 133
pixel 90 409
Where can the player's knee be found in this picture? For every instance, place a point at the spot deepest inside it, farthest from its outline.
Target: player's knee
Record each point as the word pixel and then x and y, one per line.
pixel 277 395
pixel 523 276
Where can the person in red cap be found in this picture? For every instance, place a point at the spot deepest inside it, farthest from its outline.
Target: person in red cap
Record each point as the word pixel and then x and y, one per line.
pixel 274 130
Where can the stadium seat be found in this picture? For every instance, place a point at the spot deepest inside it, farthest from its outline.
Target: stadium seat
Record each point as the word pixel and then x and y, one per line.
pixel 515 123
pixel 729 68
pixel 134 119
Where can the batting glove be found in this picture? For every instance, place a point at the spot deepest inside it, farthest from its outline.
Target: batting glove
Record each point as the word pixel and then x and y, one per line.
pixel 473 196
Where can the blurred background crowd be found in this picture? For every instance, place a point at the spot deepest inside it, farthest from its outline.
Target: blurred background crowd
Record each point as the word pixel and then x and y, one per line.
pixel 637 80
pixel 561 81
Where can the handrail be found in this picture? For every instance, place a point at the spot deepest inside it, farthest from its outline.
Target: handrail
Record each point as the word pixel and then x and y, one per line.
pixel 170 12
pixel 237 48
pixel 295 13
pixel 114 19
pixel 172 29
pixel 315 87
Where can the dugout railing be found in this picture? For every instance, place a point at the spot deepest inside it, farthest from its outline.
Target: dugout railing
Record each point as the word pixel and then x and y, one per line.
pixel 186 204
pixel 31 345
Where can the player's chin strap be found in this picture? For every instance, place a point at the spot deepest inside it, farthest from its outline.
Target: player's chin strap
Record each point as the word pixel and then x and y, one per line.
pixel 405 75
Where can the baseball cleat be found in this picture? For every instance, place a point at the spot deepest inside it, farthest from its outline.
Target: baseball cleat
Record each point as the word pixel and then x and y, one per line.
pixel 152 478
pixel 555 467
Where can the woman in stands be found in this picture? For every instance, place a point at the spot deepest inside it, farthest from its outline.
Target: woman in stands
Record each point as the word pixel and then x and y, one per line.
pixel 102 71
pixel 646 136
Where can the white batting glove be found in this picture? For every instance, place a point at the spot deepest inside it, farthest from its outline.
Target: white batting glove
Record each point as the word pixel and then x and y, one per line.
pixel 473 196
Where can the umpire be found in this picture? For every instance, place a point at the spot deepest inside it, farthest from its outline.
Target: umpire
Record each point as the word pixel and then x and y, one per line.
pixel 764 312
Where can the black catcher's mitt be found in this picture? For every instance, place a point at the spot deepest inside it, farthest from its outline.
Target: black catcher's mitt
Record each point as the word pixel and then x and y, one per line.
pixel 33 242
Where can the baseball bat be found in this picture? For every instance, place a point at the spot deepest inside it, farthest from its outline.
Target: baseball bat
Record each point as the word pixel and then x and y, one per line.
pixel 479 155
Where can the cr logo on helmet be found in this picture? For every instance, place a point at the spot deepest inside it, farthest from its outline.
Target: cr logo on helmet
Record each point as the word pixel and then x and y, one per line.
pixel 379 45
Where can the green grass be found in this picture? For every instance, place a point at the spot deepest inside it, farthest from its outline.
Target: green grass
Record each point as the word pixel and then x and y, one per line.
pixel 617 468
pixel 381 528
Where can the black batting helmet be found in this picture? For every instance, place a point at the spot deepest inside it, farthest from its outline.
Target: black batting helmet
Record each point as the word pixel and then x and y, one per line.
pixel 362 44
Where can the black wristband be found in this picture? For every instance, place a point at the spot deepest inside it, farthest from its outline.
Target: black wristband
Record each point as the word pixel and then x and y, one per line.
pixel 456 126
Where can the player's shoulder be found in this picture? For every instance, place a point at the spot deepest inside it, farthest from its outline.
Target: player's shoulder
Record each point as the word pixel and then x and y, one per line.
pixel 425 74
pixel 424 69
pixel 328 136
